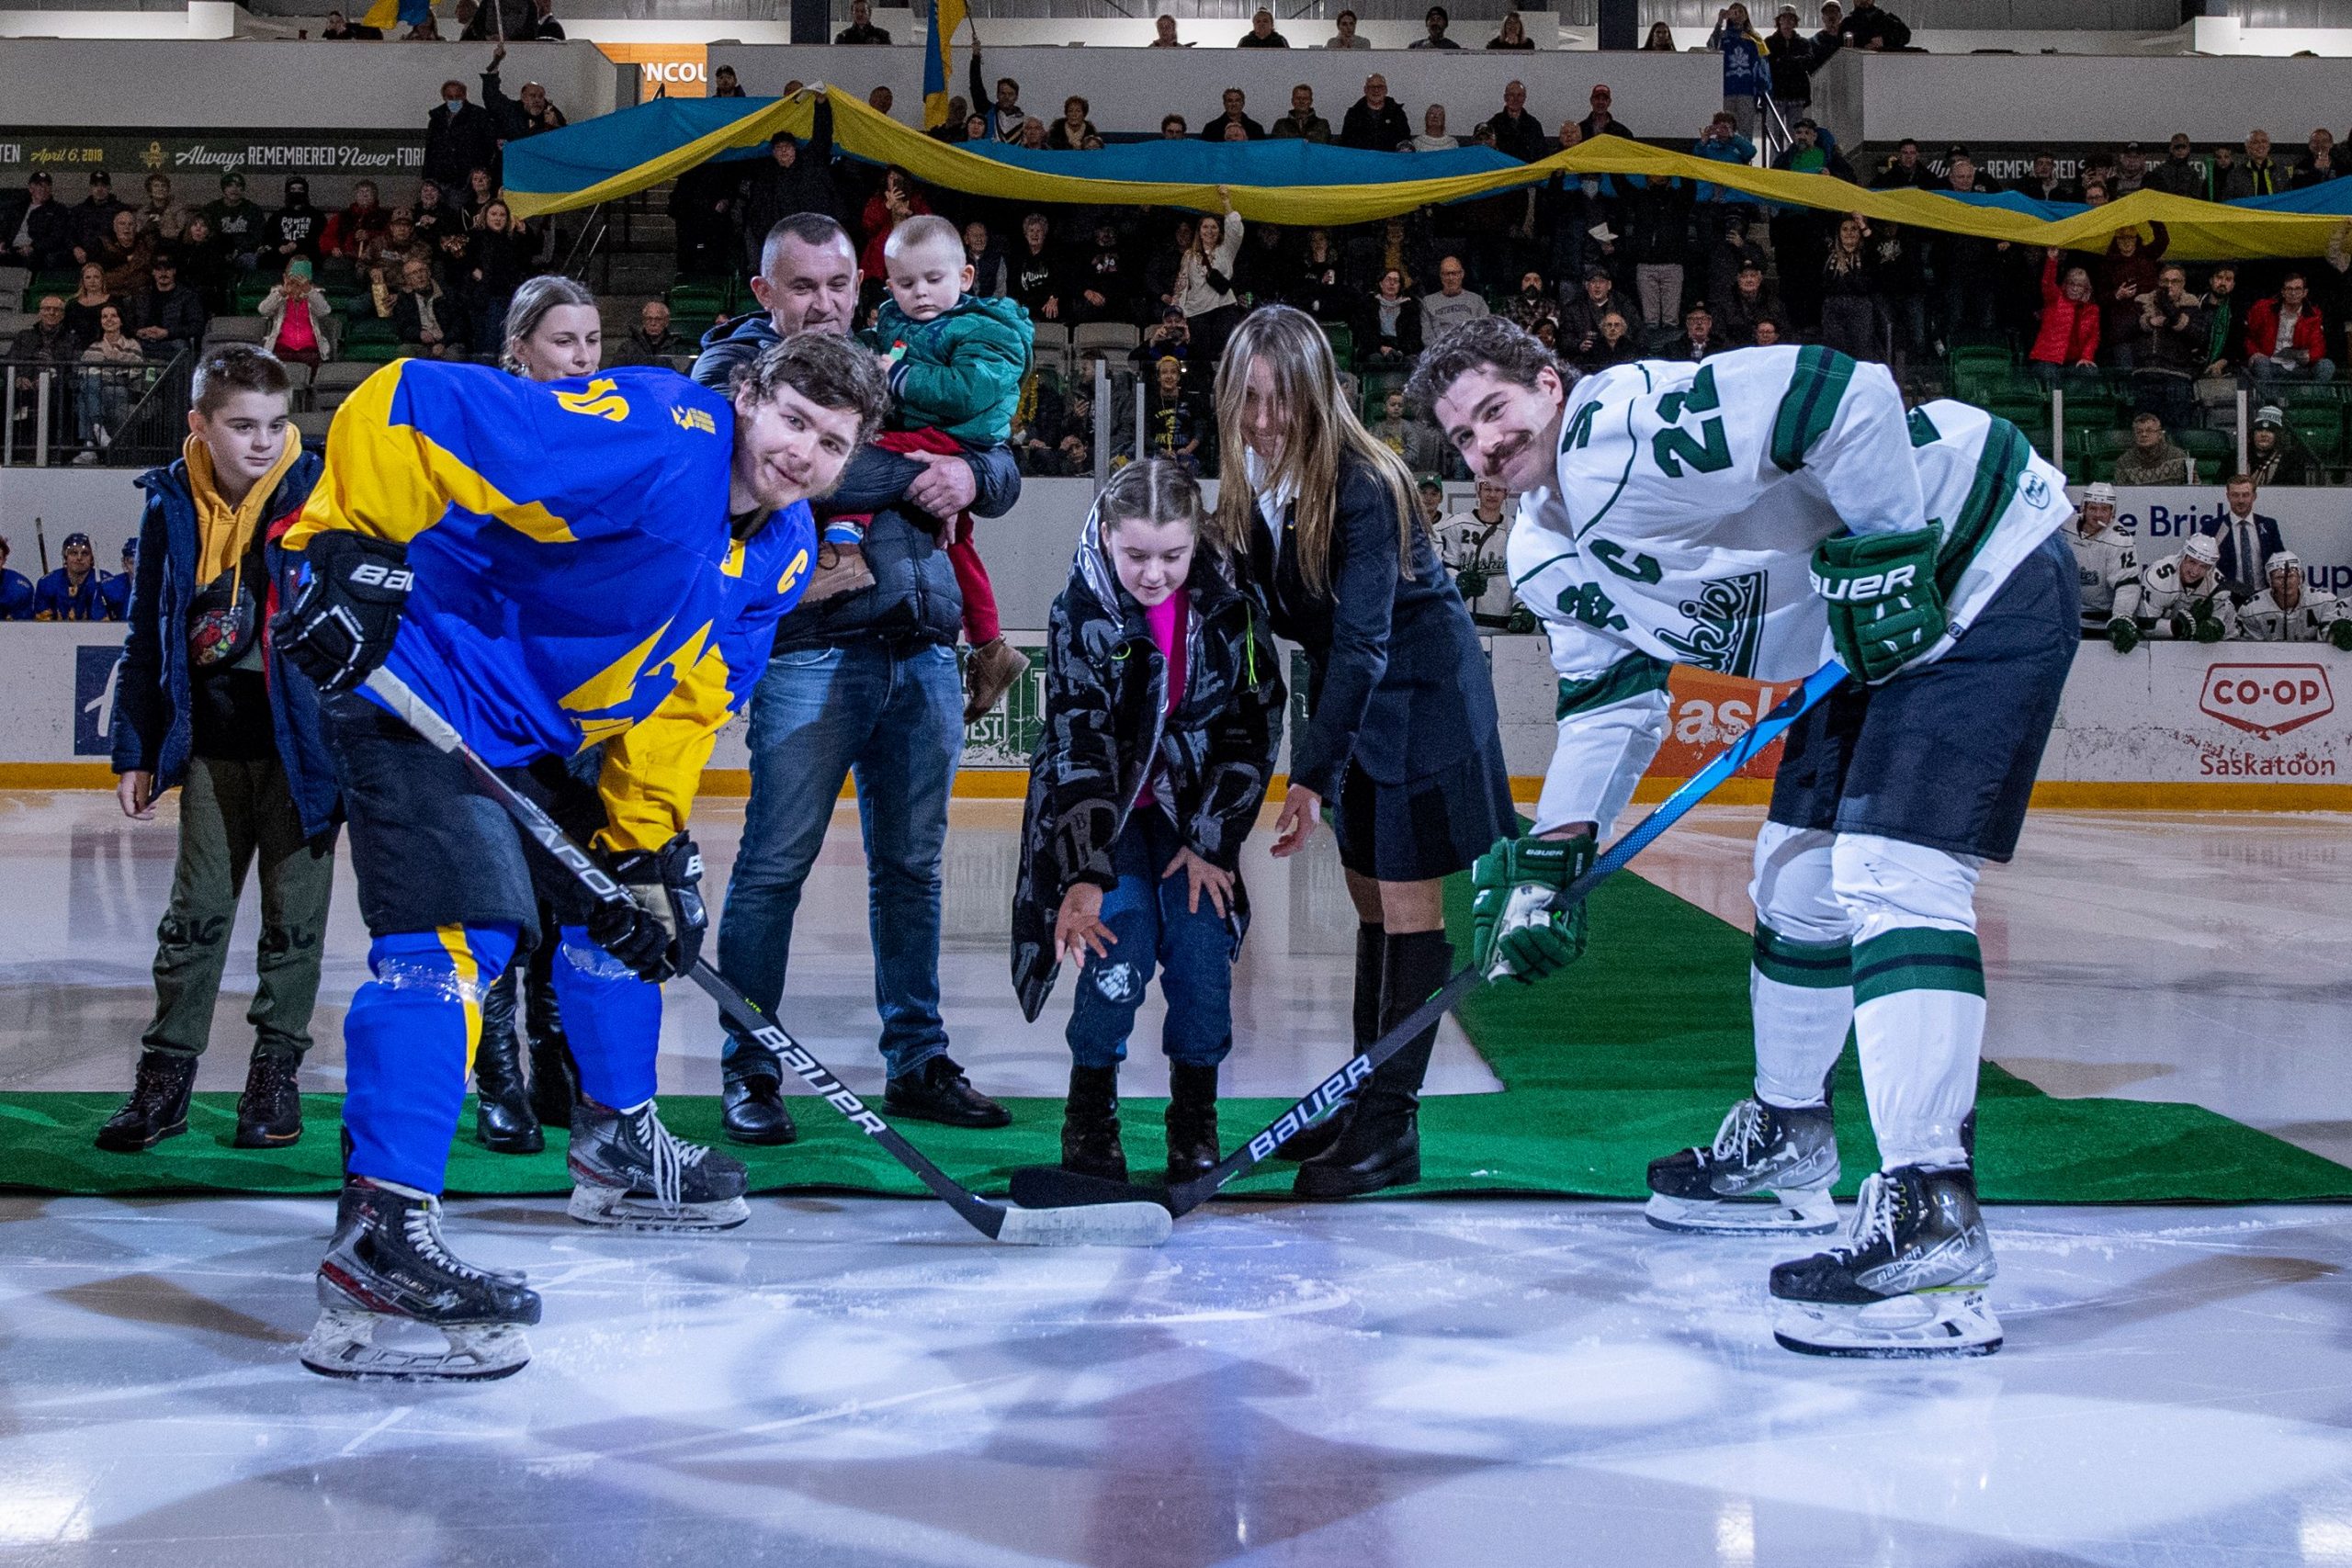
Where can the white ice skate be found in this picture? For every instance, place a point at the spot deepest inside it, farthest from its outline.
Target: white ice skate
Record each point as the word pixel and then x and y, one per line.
pixel 1768 1173
pixel 1907 1282
pixel 630 1173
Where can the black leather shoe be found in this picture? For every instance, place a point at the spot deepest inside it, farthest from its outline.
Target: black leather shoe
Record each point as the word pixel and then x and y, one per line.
pixel 754 1110
pixel 503 1122
pixel 1090 1124
pixel 938 1091
pixel 269 1113
pixel 157 1108
pixel 1382 1144
pixel 1191 1122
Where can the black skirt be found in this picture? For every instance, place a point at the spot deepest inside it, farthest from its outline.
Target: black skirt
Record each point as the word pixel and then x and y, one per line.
pixel 1427 828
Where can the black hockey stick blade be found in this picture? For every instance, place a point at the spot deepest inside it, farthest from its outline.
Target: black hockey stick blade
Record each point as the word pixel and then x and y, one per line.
pixel 1052 1185
pixel 1143 1222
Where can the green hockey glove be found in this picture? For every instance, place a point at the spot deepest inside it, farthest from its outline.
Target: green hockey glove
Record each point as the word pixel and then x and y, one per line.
pixel 1885 608
pixel 2340 634
pixel 2123 633
pixel 1516 925
pixel 2208 630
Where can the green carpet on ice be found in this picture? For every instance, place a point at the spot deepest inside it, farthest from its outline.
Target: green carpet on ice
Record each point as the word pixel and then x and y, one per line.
pixel 1635 1052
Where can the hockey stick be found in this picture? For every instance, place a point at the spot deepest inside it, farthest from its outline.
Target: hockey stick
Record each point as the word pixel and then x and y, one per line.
pixel 1144 1222
pixel 1054 1185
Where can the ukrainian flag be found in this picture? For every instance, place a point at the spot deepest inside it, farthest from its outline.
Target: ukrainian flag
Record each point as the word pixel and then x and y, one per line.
pixel 388 13
pixel 939 61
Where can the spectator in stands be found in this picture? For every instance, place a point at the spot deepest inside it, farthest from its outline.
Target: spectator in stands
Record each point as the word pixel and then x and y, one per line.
pixel 1512 35
pixel 1602 119
pixel 2068 339
pixel 82 310
pixel 2275 454
pixel 1169 338
pixel 530 115
pixel 169 319
pixel 1965 311
pixel 204 267
pixel 2169 352
pixel 339 26
pixel 1872 27
pixel 2225 334
pixel 1658 238
pixel 112 371
pixel 1517 132
pixel 161 218
pixel 725 84
pixel 1005 114
pixel 1416 441
pixel 1319 286
pixel 356 233
pixel 478 192
pixel 1750 304
pixel 1302 123
pixel 1176 420
pixel 860 28
pixel 48 341
pixel 1697 337
pixel 70 592
pixel 1261 33
pixel 2045 183
pixel 1068 133
pixel 1534 302
pixel 459 136
pixel 1204 281
pixel 236 223
pixel 795 178
pixel 1376 122
pixel 1346 37
pixel 881 101
pixel 2151 458
pixel 426 318
pixel 2177 174
pixel 893 204
pixel 498 258
pixel 1235 113
pixel 2256 174
pixel 1660 39
pixel 1580 314
pixel 2247 538
pixel 296 310
pixel 126 256
pixel 93 216
pixel 1102 284
pixel 992 275
pixel 1034 275
pixel 1853 318
pixel 544 28
pixel 1433 137
pixel 15 589
pixel 1906 170
pixel 2285 338
pixel 2126 275
pixel 1789 56
pixel 1163 29
pixel 1452 305
pixel 40 234
pixel 297 229
pixel 1388 333
pixel 652 341
pixel 1721 143
pixel 1436 21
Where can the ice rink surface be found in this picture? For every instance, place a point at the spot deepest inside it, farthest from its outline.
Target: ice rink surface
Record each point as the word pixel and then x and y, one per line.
pixel 858 1382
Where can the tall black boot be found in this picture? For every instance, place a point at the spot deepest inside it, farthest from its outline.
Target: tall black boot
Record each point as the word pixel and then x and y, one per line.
pixel 502 1119
pixel 269 1112
pixel 555 1076
pixel 1192 1120
pixel 1090 1124
pixel 157 1108
pixel 1382 1145
pixel 1371 945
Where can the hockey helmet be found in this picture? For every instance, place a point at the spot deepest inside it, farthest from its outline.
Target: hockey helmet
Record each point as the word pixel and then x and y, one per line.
pixel 2100 494
pixel 2283 562
pixel 2205 548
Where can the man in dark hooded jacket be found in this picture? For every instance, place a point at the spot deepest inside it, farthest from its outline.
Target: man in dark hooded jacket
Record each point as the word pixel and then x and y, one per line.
pixel 795 178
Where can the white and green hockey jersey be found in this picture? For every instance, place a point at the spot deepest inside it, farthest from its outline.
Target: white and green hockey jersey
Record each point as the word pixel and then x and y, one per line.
pixel 2107 565
pixel 2263 619
pixel 1681 526
pixel 2162 594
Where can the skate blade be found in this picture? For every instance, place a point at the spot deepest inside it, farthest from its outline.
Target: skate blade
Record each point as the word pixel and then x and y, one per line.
pixel 1793 1213
pixel 1926 1324
pixel 609 1208
pixel 342 1345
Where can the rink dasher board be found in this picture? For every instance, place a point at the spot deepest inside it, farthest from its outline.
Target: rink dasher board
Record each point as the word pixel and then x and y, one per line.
pixel 2223 725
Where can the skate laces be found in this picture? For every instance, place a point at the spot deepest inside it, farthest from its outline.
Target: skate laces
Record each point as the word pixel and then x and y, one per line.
pixel 422 1225
pixel 1743 1127
pixel 672 1157
pixel 1874 1217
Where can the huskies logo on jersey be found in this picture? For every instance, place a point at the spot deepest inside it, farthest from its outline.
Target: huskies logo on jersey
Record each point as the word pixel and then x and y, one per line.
pixel 1726 625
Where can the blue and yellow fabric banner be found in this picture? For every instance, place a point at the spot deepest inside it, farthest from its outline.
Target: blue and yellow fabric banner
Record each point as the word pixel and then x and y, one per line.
pixel 939 61
pixel 1300 182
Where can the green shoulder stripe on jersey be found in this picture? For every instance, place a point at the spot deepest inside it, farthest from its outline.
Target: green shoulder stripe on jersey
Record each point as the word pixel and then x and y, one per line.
pixel 1918 958
pixel 1531 572
pixel 1634 675
pixel 1814 966
pixel 1923 429
pixel 1634 451
pixel 1998 466
pixel 1809 405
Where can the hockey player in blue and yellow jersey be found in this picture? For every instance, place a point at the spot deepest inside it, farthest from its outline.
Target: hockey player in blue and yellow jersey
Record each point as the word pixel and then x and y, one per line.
pixel 548 566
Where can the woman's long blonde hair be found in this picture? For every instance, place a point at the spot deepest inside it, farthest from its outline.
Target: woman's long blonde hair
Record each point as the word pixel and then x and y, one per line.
pixel 1321 425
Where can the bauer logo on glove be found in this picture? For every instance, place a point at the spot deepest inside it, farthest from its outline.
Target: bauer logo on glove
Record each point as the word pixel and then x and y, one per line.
pixel 1518 927
pixel 1885 608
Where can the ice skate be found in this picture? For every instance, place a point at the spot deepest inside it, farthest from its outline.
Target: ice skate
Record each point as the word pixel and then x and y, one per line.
pixel 1908 1281
pixel 1768 1173
pixel 387 1266
pixel 629 1173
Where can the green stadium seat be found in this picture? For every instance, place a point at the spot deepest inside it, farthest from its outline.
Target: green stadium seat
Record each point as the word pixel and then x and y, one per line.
pixel 1343 342
pixel 375 352
pixel 362 328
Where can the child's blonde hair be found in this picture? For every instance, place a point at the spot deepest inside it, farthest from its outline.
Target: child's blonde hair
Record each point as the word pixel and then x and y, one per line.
pixel 1154 490
pixel 923 229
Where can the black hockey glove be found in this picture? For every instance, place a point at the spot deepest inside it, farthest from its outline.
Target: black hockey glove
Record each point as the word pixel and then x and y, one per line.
pixel 660 932
pixel 340 626
pixel 2123 633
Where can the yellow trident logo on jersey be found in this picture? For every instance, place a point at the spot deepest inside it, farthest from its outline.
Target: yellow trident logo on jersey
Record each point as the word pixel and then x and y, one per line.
pixel 695 419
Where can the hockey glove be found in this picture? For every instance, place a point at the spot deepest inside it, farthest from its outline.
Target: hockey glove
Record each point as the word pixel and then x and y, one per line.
pixel 2123 632
pixel 2340 634
pixel 340 627
pixel 2208 630
pixel 1885 608
pixel 1516 925
pixel 659 934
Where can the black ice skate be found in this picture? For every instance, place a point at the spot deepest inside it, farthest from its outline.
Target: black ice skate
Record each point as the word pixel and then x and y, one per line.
pixel 388 1264
pixel 1908 1281
pixel 629 1173
pixel 1769 1172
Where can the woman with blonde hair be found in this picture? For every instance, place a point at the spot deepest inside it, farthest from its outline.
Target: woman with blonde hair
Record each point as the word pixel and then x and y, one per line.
pixel 1400 736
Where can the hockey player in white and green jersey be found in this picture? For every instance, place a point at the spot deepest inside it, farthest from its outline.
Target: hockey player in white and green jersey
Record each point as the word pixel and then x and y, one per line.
pixel 2184 597
pixel 1751 514
pixel 2288 611
pixel 2106 567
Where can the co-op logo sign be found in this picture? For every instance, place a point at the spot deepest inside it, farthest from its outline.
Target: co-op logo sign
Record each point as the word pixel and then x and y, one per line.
pixel 2269 699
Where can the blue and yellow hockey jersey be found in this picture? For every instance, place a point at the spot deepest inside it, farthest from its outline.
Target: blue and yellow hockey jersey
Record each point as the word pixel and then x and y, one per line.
pixel 577 580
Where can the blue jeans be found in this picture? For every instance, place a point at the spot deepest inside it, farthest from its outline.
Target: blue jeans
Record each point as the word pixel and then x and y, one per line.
pixel 894 718
pixel 1194 949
